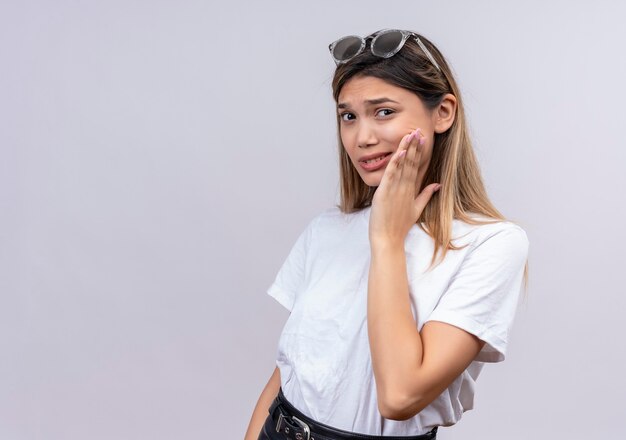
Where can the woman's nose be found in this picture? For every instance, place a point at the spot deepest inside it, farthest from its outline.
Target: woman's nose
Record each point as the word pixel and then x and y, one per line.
pixel 366 136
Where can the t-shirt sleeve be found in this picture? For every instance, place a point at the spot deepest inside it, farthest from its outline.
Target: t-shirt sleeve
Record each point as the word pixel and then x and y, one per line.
pixel 482 296
pixel 291 275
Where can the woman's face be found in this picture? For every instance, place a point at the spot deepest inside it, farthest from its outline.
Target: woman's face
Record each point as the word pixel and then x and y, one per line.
pixel 374 116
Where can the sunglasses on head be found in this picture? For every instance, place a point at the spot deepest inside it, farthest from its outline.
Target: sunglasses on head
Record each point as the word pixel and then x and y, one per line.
pixel 385 43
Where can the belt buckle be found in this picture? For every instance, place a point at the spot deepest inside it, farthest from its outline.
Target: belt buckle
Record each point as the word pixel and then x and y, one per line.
pixel 280 421
pixel 304 426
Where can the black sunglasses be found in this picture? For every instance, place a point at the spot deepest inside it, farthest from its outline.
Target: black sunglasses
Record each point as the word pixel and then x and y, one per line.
pixel 385 43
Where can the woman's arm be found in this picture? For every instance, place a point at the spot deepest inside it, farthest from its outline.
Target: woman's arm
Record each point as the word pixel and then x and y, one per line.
pixel 411 369
pixel 261 410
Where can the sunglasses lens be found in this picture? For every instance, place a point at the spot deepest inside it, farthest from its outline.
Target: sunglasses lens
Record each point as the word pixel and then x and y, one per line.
pixel 387 44
pixel 346 48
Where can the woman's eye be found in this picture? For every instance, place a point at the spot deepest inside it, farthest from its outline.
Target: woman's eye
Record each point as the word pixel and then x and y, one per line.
pixel 349 116
pixel 386 110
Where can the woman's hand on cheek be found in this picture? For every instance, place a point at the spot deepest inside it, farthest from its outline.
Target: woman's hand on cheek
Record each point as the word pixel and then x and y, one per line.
pixel 395 207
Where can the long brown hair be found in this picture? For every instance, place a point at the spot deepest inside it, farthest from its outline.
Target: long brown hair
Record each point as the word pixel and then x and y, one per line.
pixel 453 162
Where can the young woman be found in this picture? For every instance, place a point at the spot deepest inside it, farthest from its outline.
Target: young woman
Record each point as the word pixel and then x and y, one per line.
pixel 401 293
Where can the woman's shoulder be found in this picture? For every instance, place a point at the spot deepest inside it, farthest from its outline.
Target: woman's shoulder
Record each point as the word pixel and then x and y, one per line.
pixel 482 228
pixel 484 222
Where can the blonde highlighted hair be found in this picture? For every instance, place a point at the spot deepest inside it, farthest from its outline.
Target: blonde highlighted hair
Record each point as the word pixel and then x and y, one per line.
pixel 453 162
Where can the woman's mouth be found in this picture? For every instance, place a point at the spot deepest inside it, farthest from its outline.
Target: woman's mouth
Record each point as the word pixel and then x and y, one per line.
pixel 375 164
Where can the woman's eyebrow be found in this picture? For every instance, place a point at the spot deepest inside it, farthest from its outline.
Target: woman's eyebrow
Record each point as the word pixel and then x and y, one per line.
pixel 369 102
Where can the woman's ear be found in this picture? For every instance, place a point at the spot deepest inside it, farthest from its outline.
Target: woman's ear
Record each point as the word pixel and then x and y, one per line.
pixel 445 113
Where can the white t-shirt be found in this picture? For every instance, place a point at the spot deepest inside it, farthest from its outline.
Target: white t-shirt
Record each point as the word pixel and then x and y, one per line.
pixel 323 351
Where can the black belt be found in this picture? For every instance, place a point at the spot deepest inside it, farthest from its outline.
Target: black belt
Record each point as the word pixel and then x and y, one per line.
pixel 295 425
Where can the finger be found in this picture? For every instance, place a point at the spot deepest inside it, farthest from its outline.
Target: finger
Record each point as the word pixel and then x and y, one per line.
pixel 419 149
pixel 410 163
pixel 409 157
pixel 400 153
pixel 424 197
pixel 394 167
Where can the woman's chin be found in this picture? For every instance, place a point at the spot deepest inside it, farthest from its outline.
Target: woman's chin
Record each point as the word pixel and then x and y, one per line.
pixel 373 178
pixel 372 182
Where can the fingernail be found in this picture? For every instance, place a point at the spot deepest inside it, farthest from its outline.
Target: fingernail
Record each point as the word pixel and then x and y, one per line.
pixel 422 141
pixel 437 187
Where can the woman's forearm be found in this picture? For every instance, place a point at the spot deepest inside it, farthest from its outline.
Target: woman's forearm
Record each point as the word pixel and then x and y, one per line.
pixel 395 344
pixel 261 410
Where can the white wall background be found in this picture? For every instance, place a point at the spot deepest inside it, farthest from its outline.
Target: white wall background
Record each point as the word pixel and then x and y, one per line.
pixel 159 158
